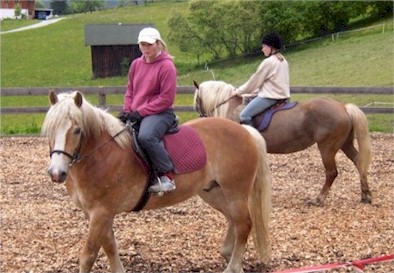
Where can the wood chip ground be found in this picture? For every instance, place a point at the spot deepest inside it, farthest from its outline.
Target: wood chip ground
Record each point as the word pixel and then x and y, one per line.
pixel 42 230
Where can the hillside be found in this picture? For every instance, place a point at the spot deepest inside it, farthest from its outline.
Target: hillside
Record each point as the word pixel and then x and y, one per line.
pixel 56 55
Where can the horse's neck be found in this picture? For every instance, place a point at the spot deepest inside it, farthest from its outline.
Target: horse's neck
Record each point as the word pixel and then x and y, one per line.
pixel 234 109
pixel 97 147
pixel 91 143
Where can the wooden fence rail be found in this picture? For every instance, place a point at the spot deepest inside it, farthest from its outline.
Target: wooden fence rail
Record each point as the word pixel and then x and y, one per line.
pixel 102 92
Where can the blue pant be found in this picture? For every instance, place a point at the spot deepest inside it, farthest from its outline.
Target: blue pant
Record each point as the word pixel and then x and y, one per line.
pixel 256 106
pixel 151 132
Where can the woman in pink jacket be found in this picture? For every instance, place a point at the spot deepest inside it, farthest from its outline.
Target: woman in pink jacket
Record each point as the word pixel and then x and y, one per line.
pixel 149 100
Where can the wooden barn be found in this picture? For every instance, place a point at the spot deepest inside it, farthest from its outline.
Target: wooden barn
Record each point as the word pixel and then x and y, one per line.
pixel 113 47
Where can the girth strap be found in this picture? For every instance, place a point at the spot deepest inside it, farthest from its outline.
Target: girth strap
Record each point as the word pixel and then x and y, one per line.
pixel 151 174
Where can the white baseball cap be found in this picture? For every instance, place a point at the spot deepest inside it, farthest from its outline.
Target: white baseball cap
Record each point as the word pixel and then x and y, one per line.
pixel 149 35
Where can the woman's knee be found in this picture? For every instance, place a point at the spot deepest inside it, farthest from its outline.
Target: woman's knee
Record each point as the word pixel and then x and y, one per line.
pixel 146 139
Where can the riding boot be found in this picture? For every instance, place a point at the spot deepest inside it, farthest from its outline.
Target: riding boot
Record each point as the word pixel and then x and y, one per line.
pixel 247 122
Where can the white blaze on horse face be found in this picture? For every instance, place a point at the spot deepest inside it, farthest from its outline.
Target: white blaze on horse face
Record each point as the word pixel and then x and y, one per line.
pixel 59 166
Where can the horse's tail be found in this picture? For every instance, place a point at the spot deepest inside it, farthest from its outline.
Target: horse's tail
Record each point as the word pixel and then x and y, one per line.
pixel 360 127
pixel 260 199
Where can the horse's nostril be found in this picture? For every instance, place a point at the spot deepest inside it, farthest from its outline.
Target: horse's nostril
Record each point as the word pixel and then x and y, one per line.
pixel 63 176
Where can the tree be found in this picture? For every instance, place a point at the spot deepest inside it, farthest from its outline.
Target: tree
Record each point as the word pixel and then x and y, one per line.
pixel 382 8
pixel 18 11
pixel 229 28
pixel 79 6
pixel 282 17
pixel 324 17
pixel 93 5
pixel 59 6
pixel 217 28
pixel 38 4
pixel 184 36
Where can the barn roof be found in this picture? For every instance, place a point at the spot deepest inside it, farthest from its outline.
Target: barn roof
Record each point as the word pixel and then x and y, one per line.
pixel 113 34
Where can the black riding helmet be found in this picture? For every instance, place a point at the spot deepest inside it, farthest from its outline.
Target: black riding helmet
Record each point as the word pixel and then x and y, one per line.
pixel 273 40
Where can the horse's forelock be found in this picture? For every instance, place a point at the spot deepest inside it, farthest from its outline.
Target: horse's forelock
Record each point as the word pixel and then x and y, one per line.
pixel 60 113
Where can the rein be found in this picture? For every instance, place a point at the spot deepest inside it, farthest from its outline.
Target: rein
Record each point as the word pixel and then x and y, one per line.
pixel 201 110
pixel 76 157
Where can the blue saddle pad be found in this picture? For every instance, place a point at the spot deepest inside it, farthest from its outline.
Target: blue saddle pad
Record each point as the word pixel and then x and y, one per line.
pixel 267 115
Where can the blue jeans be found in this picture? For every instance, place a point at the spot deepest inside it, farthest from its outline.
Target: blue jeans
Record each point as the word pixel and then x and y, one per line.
pixel 151 132
pixel 256 106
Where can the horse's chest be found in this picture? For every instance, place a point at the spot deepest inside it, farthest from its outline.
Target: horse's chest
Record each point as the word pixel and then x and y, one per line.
pixel 73 192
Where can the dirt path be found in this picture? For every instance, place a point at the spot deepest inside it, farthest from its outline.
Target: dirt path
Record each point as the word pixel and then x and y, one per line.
pixel 38 25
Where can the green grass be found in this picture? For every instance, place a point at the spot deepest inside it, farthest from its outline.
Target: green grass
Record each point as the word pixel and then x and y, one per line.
pixel 56 55
pixel 353 61
pixel 31 123
pixel 10 24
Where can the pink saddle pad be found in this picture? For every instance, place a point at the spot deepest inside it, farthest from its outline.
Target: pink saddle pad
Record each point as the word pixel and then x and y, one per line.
pixel 186 150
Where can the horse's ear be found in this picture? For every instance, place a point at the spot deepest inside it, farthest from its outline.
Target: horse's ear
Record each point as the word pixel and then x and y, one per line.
pixel 78 99
pixel 196 84
pixel 53 97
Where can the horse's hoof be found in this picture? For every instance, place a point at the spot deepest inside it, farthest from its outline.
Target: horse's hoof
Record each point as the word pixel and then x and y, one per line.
pixel 317 202
pixel 366 199
pixel 366 196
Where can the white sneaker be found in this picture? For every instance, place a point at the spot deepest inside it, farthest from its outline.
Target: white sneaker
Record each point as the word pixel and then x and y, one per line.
pixel 164 185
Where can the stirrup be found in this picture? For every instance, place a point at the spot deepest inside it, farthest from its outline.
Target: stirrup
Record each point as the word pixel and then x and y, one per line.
pixel 247 122
pixel 163 185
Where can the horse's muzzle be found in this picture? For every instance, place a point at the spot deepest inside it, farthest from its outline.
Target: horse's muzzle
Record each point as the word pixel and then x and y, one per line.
pixel 57 175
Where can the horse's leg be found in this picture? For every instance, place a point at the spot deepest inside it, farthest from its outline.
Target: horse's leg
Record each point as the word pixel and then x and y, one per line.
pixel 328 157
pixel 351 152
pixel 242 226
pixel 216 199
pixel 111 249
pixel 100 233
pixel 228 245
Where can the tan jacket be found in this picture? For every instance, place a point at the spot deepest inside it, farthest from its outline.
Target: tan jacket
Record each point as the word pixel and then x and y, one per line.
pixel 271 80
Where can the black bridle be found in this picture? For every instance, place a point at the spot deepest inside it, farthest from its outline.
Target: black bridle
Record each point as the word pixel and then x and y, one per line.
pixel 76 156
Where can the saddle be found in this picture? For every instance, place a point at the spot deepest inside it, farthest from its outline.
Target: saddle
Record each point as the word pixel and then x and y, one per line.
pixel 186 151
pixel 263 120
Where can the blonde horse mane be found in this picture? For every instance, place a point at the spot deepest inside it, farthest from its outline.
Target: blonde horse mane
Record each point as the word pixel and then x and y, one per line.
pixel 211 94
pixel 93 120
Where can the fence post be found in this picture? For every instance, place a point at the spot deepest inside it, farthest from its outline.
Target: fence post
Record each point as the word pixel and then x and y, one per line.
pixel 102 99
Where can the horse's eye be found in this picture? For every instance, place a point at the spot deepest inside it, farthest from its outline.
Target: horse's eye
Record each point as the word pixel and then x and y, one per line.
pixel 77 131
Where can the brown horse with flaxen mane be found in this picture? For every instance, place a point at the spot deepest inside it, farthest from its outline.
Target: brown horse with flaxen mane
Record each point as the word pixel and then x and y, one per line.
pixel 330 124
pixel 92 152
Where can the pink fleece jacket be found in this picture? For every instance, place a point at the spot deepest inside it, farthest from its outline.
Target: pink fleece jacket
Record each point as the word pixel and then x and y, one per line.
pixel 151 87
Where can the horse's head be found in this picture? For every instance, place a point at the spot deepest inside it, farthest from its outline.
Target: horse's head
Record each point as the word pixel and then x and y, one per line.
pixel 63 125
pixel 70 124
pixel 216 98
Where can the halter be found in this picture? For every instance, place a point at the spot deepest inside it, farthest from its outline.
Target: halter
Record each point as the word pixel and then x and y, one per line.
pixel 76 156
pixel 200 108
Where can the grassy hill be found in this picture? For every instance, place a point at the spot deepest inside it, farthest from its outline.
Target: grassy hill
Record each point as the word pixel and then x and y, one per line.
pixel 56 55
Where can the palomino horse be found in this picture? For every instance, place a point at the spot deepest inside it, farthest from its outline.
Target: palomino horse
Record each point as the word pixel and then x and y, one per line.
pixel 324 121
pixel 91 150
